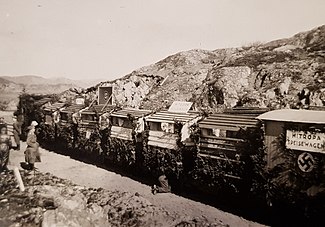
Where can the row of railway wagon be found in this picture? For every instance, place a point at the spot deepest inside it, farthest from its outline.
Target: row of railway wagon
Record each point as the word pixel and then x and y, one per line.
pixel 210 147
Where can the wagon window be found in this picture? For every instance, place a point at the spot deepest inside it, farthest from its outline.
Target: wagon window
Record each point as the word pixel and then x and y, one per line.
pixel 64 116
pixel 115 121
pixel 121 122
pixel 127 124
pixel 206 132
pixel 88 117
pixel 217 132
pixel 232 134
pixel 155 126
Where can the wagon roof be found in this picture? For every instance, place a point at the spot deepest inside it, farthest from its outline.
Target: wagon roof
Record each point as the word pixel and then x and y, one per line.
pixel 129 111
pixel 290 115
pixel 55 106
pixel 73 108
pixel 98 109
pixel 170 117
pixel 43 101
pixel 228 121
pixel 247 110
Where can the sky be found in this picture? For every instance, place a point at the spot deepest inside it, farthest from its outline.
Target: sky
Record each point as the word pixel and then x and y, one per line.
pixel 107 39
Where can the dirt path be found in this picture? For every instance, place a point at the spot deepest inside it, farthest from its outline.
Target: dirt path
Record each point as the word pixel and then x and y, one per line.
pixel 92 176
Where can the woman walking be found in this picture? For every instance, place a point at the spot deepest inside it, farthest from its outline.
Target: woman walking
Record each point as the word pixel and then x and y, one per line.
pixel 5 146
pixel 32 154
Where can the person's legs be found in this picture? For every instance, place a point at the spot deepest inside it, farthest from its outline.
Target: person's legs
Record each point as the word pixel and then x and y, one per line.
pixel 29 158
pixel 1 160
pixel 5 160
pixel 17 140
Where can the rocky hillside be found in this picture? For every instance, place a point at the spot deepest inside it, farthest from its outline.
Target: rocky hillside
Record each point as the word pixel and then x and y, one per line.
pixel 282 73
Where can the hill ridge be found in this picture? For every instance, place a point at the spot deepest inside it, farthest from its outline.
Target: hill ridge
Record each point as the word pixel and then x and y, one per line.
pixel 273 74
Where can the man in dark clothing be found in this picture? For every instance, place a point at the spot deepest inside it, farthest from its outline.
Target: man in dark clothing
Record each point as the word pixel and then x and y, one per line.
pixel 164 186
pixel 16 132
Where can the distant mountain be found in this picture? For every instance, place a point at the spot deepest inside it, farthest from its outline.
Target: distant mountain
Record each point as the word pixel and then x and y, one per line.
pixel 4 81
pixel 12 86
pixel 37 80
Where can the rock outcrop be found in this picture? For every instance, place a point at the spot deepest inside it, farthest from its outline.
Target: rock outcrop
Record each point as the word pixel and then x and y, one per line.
pixel 267 75
pixel 132 89
pixel 49 201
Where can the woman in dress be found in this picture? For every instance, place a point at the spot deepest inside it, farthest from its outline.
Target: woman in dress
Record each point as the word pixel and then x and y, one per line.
pixel 32 154
pixel 5 146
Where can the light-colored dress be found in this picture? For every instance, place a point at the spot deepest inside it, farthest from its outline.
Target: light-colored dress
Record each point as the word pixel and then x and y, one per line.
pixel 32 154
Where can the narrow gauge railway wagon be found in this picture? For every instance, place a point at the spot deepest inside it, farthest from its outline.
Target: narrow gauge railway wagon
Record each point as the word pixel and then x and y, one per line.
pixel 295 143
pixel 224 149
pixel 70 114
pixel 169 139
pixel 93 129
pixel 126 136
pixel 220 140
pixel 68 128
pixel 49 126
pixel 95 116
pixel 52 113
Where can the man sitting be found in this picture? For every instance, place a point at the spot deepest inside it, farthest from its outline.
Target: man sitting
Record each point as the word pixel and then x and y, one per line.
pixel 164 186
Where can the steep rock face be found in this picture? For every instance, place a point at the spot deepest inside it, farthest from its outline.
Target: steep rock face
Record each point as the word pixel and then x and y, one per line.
pixel 231 82
pixel 179 85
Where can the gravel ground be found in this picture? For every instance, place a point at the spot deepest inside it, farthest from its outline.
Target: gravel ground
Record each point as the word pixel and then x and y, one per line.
pixel 172 209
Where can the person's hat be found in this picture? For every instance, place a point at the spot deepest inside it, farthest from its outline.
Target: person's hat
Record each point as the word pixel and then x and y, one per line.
pixel 34 123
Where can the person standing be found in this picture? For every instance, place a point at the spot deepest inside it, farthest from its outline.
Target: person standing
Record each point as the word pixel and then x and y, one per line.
pixel 16 132
pixel 32 154
pixel 5 146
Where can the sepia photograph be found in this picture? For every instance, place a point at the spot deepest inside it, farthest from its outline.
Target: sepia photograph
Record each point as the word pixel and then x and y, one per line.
pixel 167 113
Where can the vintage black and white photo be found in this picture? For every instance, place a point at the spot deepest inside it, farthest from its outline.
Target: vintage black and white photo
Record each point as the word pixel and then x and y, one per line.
pixel 162 113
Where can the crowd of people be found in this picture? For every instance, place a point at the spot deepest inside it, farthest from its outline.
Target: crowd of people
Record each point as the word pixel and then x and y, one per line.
pixel 32 154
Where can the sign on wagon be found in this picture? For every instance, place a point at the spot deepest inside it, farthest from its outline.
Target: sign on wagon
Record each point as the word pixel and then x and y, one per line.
pixel 306 141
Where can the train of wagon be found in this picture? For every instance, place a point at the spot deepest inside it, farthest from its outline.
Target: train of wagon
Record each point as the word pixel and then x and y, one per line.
pixel 239 149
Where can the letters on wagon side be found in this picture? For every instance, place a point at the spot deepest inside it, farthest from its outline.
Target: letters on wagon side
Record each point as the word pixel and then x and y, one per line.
pixel 305 141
